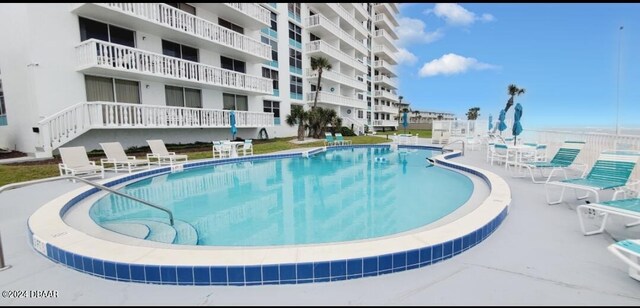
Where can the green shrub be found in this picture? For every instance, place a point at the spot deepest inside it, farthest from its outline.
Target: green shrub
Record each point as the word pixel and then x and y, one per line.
pixel 345 131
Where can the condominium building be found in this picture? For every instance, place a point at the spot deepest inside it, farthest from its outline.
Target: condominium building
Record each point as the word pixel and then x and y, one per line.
pixel 85 73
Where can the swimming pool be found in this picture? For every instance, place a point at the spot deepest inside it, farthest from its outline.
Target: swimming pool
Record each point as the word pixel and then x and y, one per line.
pixel 333 196
pixel 90 249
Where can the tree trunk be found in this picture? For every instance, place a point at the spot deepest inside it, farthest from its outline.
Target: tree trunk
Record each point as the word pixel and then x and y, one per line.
pixel 315 101
pixel 300 131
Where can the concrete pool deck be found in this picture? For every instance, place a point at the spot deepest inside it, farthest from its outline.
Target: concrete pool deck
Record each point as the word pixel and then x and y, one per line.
pixel 538 256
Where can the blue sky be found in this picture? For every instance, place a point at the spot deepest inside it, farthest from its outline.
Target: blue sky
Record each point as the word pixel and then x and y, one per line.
pixel 458 56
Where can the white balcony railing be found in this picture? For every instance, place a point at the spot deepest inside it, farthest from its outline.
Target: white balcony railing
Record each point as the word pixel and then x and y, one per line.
pixel 386 94
pixel 73 121
pixel 335 99
pixel 335 53
pixel 385 52
pixel 386 38
pixel 381 64
pixel 382 18
pixel 320 20
pixel 391 82
pixel 176 19
pixel 346 16
pixel 385 123
pixel 95 53
pixel 337 77
pixel 253 10
pixel 385 109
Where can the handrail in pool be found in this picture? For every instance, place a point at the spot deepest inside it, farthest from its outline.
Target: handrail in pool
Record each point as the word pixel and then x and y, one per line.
pixel 73 177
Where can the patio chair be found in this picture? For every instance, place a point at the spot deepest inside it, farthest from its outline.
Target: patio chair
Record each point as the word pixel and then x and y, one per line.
pixel 76 162
pixel 625 207
pixel 118 158
pixel 247 147
pixel 160 153
pixel 221 150
pixel 564 158
pixel 499 153
pixel 328 139
pixel 611 171
pixel 629 252
pixel 340 139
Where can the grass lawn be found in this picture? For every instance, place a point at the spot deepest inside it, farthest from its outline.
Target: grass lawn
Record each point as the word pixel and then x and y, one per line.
pixel 38 170
pixel 422 133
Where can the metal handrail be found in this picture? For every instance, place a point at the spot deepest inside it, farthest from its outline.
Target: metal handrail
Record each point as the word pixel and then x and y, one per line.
pixel 455 141
pixel 73 177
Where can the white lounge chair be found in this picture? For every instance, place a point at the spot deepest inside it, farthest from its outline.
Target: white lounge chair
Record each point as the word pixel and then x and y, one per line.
pixel 221 150
pixel 119 159
pixel 625 207
pixel 247 147
pixel 160 153
pixel 629 252
pixel 76 162
pixel 611 171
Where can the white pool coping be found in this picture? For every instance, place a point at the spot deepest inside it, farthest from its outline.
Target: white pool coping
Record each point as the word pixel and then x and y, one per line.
pixel 47 226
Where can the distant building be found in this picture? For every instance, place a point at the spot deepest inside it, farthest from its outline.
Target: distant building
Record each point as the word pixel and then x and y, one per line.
pixel 417 116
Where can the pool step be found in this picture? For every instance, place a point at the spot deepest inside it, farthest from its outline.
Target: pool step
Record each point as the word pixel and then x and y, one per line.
pixel 157 230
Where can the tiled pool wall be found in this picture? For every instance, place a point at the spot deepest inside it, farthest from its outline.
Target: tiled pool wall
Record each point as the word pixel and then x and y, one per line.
pixel 291 273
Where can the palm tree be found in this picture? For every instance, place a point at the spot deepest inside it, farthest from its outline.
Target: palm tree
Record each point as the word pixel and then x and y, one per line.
pixel 513 90
pixel 298 116
pixel 473 113
pixel 319 64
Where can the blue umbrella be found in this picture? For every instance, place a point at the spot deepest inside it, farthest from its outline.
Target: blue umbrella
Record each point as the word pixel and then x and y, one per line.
pixel 405 121
pixel 517 127
pixel 490 122
pixel 232 121
pixel 501 125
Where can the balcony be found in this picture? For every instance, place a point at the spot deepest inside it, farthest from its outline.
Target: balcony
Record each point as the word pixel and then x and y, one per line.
pixel 385 81
pixel 336 77
pixel 335 99
pixel 323 27
pixel 385 68
pixel 385 53
pixel 102 58
pixel 384 22
pixel 385 123
pixel 385 109
pixel 323 48
pixel 359 9
pixel 176 25
pixel 386 95
pixel 247 15
pixel 331 9
pixel 382 37
pixel 385 8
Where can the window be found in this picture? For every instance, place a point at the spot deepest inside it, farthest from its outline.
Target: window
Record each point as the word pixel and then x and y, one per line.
pixel 3 109
pixel 183 97
pixel 184 7
pixel 230 25
pixel 274 46
pixel 296 87
pixel 272 106
pixel 176 50
pixel 294 11
pixel 295 32
pixel 274 21
pixel 234 102
pixel 295 61
pixel 272 74
pixel 233 64
pixel 360 114
pixel 91 29
pixel 112 90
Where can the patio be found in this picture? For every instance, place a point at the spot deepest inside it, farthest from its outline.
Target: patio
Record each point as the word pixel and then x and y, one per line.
pixel 538 256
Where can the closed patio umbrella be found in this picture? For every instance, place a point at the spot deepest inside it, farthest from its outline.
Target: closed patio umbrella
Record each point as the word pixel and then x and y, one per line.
pixel 232 121
pixel 405 121
pixel 501 125
pixel 517 127
pixel 490 122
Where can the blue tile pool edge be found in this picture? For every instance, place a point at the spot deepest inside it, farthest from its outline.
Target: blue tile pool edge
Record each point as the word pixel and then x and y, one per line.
pixel 289 273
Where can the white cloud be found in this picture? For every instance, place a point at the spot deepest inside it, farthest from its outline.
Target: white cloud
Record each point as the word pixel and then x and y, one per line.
pixel 406 57
pixel 451 64
pixel 413 31
pixel 455 15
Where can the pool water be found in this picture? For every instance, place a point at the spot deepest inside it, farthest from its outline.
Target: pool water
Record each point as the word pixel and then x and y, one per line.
pixel 334 196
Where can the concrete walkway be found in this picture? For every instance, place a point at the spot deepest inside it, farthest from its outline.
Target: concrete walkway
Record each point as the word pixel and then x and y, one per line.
pixel 537 257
